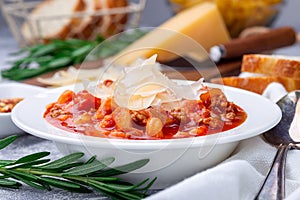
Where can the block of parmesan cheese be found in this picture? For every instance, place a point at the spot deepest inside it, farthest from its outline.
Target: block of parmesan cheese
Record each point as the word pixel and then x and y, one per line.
pixel 201 24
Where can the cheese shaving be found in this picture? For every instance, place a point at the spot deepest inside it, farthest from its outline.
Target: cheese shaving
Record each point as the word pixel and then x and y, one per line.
pixel 144 85
pixel 73 75
pixel 135 87
pixel 70 76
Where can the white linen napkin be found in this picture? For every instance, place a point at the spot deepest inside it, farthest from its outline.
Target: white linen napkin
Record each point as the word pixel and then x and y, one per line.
pixel 241 175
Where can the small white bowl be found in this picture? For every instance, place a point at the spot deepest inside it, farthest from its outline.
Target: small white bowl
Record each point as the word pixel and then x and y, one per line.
pixel 14 90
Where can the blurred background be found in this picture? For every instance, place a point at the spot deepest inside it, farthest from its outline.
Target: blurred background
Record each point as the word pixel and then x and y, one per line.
pixel 157 12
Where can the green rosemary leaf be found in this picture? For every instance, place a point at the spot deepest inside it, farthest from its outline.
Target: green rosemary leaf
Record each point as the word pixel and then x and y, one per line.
pixel 69 174
pixel 124 168
pixel 34 48
pixel 118 190
pixel 130 188
pixel 44 59
pixel 100 39
pixel 28 73
pixel 100 186
pixel 147 186
pixel 60 182
pixel 23 174
pixel 119 187
pixel 104 179
pixel 64 161
pixel 79 59
pixel 91 160
pixel 69 166
pixel 112 195
pixel 20 64
pixel 77 190
pixel 60 62
pixel 127 195
pixel 30 163
pixel 77 42
pixel 32 157
pixel 86 169
pixel 25 62
pixel 80 189
pixel 44 50
pixel 15 66
pixel 3 176
pixel 82 51
pixel 7 141
pixel 63 53
pixel 26 50
pixel 6 182
pixel 29 181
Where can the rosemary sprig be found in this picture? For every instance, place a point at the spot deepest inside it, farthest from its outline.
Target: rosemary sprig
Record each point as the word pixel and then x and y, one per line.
pixel 41 58
pixel 68 173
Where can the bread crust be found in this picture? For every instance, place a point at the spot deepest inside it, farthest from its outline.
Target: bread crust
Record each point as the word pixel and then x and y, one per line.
pixel 290 84
pixel 104 25
pixel 253 84
pixel 32 35
pixel 271 65
pixel 86 26
pixel 116 21
pixel 272 68
pixel 257 84
pixel 111 24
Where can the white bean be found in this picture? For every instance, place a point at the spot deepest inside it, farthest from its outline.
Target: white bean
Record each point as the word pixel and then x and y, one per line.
pixel 154 127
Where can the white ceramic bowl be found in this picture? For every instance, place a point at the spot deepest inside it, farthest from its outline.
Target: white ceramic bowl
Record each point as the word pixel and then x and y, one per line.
pixel 170 160
pixel 14 90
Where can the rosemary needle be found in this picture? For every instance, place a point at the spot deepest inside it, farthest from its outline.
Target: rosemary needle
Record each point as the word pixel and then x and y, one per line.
pixel 41 58
pixel 69 174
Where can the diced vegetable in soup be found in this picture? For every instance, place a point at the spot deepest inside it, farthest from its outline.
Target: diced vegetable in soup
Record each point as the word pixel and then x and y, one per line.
pixel 87 114
pixel 143 104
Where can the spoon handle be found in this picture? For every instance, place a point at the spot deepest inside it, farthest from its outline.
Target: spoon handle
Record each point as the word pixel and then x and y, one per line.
pixel 273 187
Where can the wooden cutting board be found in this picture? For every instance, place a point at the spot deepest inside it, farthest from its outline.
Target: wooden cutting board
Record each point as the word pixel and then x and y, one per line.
pixel 180 70
pixel 207 71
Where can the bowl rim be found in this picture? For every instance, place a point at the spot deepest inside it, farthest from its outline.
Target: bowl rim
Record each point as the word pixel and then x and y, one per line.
pixel 91 141
pixel 4 114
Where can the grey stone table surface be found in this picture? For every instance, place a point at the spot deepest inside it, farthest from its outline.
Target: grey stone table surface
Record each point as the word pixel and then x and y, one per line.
pixel 28 144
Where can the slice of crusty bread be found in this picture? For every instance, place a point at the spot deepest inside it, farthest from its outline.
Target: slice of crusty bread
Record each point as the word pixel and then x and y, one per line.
pixel 110 24
pixel 253 84
pixel 258 84
pixel 37 28
pixel 96 24
pixel 273 65
pixel 84 28
pixel 116 21
pixel 290 84
pixel 267 69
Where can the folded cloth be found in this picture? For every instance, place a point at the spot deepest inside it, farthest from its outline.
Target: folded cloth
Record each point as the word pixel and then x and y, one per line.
pixel 241 175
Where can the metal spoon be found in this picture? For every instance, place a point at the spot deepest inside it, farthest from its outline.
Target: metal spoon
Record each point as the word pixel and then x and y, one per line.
pixel 273 187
